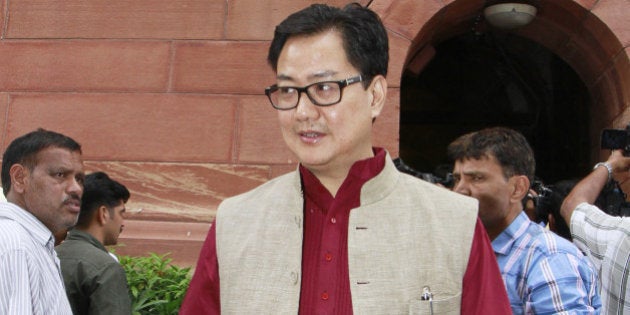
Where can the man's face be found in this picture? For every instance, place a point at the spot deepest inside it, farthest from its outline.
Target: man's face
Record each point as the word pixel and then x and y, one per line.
pixel 53 188
pixel 115 224
pixel 483 180
pixel 325 138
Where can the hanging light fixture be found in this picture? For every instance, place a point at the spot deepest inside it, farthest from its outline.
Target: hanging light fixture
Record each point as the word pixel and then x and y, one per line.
pixel 509 15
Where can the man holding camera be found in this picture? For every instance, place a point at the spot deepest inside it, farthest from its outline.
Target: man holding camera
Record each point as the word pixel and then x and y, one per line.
pixel 603 237
pixel 543 273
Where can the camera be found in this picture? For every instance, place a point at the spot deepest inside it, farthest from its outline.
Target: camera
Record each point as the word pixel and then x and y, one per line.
pixel 616 139
pixel 446 180
pixel 544 201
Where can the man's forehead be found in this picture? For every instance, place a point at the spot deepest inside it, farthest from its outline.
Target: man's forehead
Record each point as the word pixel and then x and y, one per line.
pixel 474 163
pixel 59 157
pixel 316 75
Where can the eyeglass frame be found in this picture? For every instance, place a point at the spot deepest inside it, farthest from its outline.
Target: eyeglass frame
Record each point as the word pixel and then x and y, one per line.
pixel 342 84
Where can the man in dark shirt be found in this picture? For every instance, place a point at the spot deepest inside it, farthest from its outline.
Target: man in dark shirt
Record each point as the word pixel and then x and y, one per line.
pixel 95 281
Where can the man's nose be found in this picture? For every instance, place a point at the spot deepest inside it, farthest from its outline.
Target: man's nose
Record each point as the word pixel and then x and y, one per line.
pixel 305 107
pixel 461 188
pixel 75 187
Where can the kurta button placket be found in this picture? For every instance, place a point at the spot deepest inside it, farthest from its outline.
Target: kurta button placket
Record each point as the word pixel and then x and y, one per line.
pixel 325 296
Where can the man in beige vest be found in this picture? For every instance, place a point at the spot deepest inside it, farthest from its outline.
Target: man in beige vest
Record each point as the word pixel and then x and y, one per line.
pixel 346 232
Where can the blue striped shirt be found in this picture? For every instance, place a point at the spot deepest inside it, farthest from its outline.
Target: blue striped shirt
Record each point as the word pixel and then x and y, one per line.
pixel 30 276
pixel 544 273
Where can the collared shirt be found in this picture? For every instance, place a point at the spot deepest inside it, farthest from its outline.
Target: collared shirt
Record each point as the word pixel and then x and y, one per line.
pixel 544 273
pixel 606 240
pixel 30 277
pixel 95 282
pixel 328 290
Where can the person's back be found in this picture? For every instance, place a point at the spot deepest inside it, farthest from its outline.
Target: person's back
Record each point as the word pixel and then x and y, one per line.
pixel 95 282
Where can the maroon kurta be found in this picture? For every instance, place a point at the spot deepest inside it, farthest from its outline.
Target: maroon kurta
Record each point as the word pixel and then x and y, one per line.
pixel 325 278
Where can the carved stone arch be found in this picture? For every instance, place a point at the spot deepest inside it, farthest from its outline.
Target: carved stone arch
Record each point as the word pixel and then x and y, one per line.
pixel 592 37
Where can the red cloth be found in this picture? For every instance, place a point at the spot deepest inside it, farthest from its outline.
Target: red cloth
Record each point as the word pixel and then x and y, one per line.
pixel 325 278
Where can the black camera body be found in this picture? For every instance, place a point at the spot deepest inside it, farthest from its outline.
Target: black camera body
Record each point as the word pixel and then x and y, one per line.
pixel 616 139
pixel 446 181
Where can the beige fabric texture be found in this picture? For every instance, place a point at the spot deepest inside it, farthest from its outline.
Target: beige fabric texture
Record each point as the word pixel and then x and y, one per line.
pixel 406 234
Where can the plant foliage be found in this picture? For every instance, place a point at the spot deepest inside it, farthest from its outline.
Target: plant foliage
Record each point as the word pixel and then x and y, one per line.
pixel 156 286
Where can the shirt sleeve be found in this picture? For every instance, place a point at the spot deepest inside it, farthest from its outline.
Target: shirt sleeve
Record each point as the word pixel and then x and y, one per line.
pixel 111 292
pixel 15 292
pixel 483 289
pixel 593 235
pixel 203 295
pixel 562 283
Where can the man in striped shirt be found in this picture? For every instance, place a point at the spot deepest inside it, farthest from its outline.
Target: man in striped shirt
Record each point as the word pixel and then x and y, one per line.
pixel 543 273
pixel 42 179
pixel 605 238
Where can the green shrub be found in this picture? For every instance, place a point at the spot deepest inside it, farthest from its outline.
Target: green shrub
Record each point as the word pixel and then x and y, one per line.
pixel 156 286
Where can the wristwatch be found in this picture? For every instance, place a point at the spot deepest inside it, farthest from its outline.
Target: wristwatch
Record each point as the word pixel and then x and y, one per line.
pixel 608 168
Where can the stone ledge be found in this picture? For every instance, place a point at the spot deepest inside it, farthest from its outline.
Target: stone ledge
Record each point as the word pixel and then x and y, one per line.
pixel 183 240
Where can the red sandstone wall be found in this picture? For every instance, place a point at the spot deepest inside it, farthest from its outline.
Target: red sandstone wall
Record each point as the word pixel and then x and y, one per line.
pixel 167 96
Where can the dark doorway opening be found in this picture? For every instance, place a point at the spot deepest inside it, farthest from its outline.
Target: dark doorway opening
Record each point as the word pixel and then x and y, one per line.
pixel 479 80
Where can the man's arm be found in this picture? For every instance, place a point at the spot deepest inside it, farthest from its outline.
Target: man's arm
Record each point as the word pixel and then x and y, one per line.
pixel 483 290
pixel 590 187
pixel 562 283
pixel 203 295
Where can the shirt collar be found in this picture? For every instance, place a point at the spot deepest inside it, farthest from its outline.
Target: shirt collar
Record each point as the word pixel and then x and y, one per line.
pixel 36 228
pixel 87 237
pixel 362 170
pixel 518 227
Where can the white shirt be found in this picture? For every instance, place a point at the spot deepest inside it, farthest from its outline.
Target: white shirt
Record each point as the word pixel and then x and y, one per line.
pixel 606 241
pixel 30 275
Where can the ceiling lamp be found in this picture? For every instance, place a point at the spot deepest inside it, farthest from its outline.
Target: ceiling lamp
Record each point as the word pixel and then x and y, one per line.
pixel 509 15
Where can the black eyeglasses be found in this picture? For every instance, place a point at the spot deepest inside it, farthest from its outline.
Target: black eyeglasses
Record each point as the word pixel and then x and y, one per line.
pixel 324 93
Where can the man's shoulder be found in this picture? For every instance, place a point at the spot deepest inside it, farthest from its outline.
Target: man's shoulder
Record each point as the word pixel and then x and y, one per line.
pixel 549 243
pixel 278 186
pixel 78 250
pixel 13 236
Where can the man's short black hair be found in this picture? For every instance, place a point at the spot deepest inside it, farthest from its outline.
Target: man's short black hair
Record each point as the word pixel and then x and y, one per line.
pixel 100 190
pixel 508 146
pixel 23 150
pixel 364 36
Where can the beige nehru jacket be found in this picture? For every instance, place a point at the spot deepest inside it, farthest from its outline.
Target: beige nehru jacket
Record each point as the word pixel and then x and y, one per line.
pixel 406 234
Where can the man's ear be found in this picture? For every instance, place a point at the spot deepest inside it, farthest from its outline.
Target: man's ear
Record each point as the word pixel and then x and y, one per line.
pixel 378 88
pixel 521 187
pixel 19 177
pixel 102 215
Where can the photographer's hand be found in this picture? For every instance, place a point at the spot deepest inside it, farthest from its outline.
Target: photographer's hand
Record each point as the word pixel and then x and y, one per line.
pixel 620 166
pixel 590 187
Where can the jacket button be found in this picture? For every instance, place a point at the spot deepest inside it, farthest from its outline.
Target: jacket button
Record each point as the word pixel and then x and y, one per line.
pixel 325 296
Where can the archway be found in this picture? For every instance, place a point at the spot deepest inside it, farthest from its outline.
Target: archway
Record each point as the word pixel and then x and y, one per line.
pixel 575 39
